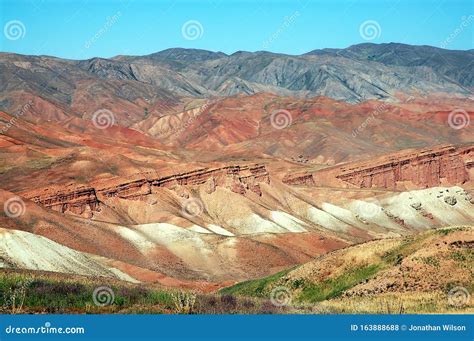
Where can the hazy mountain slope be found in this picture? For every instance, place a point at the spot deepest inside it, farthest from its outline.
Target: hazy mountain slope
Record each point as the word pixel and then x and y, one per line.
pixel 365 71
pixel 454 64
pixel 336 77
pixel 47 84
pixel 333 75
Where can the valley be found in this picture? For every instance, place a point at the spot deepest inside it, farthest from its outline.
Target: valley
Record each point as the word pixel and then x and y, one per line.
pixel 191 172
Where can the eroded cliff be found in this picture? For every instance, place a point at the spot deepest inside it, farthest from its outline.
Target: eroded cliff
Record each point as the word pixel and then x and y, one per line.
pixel 422 168
pixel 83 200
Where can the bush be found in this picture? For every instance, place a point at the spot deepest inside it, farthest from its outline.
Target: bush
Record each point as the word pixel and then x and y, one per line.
pixel 229 302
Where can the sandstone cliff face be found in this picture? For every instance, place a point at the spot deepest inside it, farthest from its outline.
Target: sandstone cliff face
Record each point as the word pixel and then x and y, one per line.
pixel 80 201
pixel 304 179
pixel 85 200
pixel 424 168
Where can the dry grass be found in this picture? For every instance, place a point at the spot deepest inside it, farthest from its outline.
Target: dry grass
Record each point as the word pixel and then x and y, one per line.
pixel 392 276
pixel 397 303
pixel 342 261
pixel 184 302
pixel 30 292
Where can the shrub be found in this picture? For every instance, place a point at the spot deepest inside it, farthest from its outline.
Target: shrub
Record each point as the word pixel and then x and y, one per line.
pixel 184 302
pixel 229 302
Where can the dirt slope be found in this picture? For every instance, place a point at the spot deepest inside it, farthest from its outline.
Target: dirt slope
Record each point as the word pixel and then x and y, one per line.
pixel 395 273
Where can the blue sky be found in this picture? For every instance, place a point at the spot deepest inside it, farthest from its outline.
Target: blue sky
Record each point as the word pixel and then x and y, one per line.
pixel 80 29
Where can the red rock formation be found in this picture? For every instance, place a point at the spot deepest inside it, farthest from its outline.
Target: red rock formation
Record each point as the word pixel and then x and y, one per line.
pixel 423 168
pixel 82 200
pixel 79 200
pixel 131 190
pixel 303 179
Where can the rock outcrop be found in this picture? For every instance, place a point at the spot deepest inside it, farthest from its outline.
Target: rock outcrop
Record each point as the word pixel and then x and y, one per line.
pixel 79 200
pixel 303 179
pixel 423 168
pixel 84 200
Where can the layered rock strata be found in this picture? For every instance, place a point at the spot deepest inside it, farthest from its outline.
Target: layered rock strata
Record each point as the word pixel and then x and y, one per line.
pixel 423 168
pixel 79 200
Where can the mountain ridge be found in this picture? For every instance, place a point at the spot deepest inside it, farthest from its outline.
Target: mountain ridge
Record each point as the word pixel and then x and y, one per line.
pixel 245 51
pixel 355 74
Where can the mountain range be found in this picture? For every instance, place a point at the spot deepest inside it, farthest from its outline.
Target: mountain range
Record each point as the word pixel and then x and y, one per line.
pixel 358 73
pixel 197 170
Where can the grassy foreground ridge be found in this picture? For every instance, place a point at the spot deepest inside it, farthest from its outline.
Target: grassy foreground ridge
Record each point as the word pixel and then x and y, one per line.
pixel 430 272
pixel 413 274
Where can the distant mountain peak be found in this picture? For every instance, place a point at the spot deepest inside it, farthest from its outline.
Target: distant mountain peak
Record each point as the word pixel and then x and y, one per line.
pixel 352 74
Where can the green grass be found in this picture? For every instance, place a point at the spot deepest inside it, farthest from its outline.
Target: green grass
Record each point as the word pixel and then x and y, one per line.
pixel 328 288
pixel 334 287
pixel 306 291
pixel 448 230
pixel 27 293
pixel 256 288
pixel 395 256
pixel 464 257
pixel 311 292
pixel 58 295
pixel 430 261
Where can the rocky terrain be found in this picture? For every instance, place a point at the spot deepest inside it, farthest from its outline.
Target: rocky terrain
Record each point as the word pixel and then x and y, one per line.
pixel 428 272
pixel 198 170
pixel 183 234
pixel 83 199
pixel 160 81
pixel 421 168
